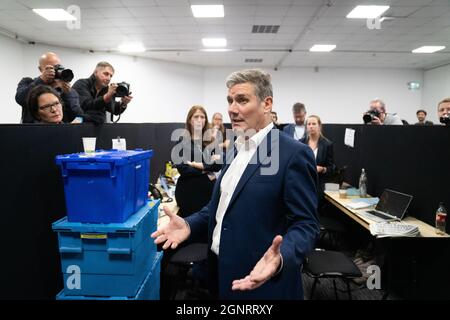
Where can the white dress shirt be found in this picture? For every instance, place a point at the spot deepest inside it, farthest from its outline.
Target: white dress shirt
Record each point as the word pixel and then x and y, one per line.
pixel 246 150
pixel 299 132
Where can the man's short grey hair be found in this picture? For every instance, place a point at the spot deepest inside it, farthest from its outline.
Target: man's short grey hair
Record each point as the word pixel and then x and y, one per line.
pixel 259 78
pixel 104 64
pixel 381 102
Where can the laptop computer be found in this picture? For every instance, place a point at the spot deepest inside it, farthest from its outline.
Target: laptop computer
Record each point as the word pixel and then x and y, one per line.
pixel 391 207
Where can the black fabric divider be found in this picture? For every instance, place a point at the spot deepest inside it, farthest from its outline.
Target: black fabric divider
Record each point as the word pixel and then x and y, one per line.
pixel 409 159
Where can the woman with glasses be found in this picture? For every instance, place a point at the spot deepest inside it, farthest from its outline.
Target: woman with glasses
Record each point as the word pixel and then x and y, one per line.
pixel 45 105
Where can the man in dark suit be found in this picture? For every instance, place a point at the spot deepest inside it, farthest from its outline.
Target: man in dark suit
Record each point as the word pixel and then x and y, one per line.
pixel 297 130
pixel 261 220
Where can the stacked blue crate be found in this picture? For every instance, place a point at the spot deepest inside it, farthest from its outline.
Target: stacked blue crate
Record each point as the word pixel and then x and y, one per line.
pixel 107 259
pixel 149 290
pixel 104 242
pixel 105 186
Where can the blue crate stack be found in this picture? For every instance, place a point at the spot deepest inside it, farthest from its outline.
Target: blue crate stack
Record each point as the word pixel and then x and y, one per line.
pixel 104 242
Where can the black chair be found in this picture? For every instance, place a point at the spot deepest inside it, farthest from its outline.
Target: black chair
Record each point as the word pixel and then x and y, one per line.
pixel 180 265
pixel 331 229
pixel 330 264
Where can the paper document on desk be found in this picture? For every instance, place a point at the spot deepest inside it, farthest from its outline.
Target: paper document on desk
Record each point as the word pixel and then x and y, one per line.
pixel 362 203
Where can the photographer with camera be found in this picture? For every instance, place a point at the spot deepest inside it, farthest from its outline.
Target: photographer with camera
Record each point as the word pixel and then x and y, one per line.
pixel 97 94
pixel 444 111
pixel 56 76
pixel 377 114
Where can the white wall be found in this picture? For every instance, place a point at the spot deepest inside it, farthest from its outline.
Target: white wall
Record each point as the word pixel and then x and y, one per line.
pixel 436 88
pixel 337 95
pixel 163 92
pixel 11 65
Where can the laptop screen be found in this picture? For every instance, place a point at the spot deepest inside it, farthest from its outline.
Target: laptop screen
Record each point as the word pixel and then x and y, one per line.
pixel 394 203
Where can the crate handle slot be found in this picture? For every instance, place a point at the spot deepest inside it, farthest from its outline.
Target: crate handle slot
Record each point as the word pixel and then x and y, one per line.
pixel 70 249
pixel 119 250
pixel 89 166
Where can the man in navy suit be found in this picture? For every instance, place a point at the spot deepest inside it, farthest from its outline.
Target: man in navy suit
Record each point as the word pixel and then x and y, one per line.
pixel 261 220
pixel 297 130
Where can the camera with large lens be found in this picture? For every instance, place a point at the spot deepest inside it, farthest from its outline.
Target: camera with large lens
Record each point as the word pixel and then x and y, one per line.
pixel 123 89
pixel 62 73
pixel 370 115
pixel 445 120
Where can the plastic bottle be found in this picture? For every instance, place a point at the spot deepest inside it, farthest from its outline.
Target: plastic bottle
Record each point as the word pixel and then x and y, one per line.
pixel 363 183
pixel 441 217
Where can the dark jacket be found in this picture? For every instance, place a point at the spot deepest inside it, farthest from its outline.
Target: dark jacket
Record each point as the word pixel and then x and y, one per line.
pixel 194 187
pixel 325 158
pixel 92 101
pixel 71 104
pixel 426 123
pixel 261 207
pixel 290 130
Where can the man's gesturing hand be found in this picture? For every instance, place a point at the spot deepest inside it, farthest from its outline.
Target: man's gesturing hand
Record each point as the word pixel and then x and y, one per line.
pixel 266 267
pixel 173 233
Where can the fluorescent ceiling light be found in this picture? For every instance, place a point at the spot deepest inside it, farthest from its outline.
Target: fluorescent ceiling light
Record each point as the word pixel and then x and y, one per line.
pixel 132 47
pixel 428 49
pixel 214 42
pixel 367 12
pixel 55 14
pixel 322 48
pixel 208 11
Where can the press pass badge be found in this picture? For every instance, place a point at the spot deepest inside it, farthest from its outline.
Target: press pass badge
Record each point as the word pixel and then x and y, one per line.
pixel 119 144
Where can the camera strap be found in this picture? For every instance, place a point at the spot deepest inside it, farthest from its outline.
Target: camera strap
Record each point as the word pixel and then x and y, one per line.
pixel 113 107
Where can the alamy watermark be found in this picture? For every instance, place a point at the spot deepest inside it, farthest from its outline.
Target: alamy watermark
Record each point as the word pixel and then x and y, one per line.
pixel 373 24
pixel 374 280
pixel 75 11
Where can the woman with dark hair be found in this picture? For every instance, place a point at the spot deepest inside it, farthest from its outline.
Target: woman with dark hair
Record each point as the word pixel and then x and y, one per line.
pixel 45 105
pixel 197 178
pixel 323 151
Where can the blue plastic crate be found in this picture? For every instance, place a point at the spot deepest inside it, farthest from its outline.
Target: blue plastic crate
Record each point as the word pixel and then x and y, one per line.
pixel 149 289
pixel 105 186
pixel 107 259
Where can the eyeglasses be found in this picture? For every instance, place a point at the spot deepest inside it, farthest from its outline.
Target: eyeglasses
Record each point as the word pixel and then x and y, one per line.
pixel 49 107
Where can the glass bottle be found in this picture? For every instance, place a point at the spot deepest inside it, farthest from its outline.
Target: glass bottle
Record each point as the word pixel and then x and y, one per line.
pixel 441 217
pixel 363 183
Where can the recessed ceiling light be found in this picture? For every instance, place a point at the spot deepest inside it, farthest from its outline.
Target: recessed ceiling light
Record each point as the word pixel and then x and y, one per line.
pixel 208 11
pixel 367 12
pixel 322 48
pixel 55 14
pixel 428 49
pixel 214 42
pixel 132 47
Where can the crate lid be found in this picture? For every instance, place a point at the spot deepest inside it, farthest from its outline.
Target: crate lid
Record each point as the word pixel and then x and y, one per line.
pixel 130 225
pixel 119 157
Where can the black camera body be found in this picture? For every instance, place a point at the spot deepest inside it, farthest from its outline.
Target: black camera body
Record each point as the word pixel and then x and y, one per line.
pixel 123 89
pixel 445 120
pixel 62 73
pixel 369 115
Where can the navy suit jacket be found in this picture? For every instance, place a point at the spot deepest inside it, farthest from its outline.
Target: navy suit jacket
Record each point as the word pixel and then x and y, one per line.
pixel 290 130
pixel 263 206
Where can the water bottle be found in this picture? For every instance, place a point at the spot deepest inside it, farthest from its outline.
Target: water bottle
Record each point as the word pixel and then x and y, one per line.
pixel 363 183
pixel 441 217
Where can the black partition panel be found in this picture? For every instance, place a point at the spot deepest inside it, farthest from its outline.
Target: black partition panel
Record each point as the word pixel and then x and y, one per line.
pixel 410 159
pixel 32 195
